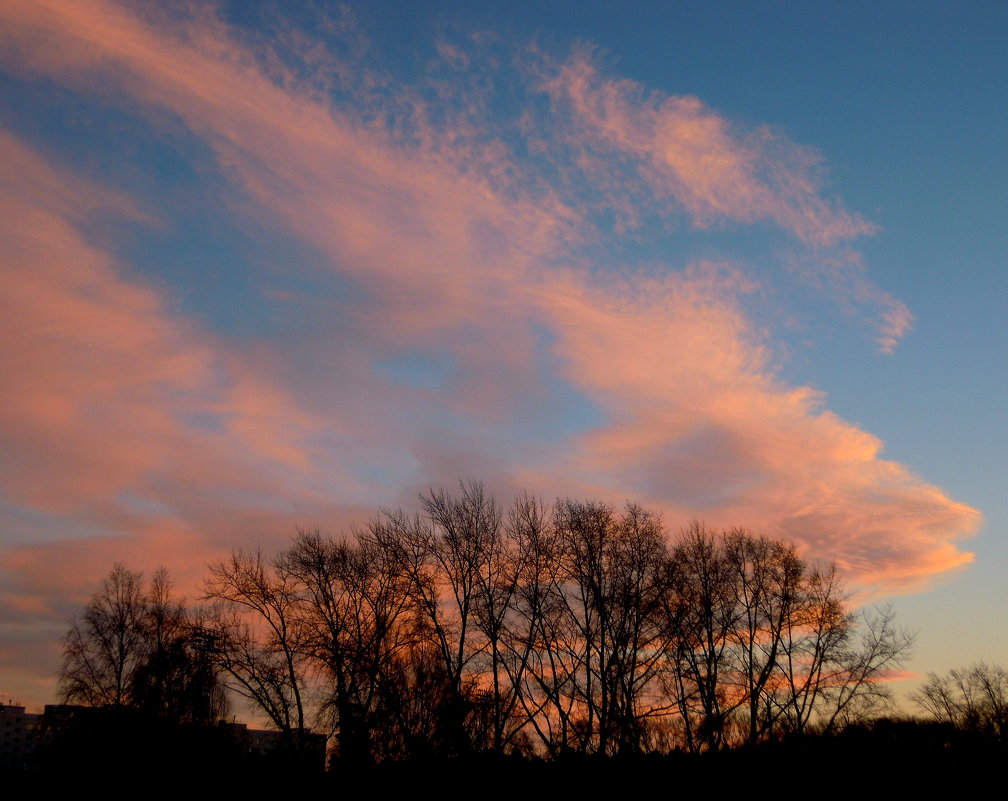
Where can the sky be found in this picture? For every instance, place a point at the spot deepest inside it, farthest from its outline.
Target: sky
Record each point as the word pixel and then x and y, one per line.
pixel 270 266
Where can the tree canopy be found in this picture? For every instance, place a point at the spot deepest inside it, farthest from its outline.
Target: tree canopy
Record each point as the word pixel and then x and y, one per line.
pixel 470 626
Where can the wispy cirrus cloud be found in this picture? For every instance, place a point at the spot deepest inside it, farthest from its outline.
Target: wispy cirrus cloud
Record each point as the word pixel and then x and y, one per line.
pixel 693 160
pixel 469 311
pixel 110 391
pixel 676 155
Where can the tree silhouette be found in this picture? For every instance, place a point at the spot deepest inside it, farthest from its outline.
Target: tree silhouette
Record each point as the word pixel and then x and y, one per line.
pixel 107 644
pixel 973 699
pixel 138 649
pixel 255 638
pixel 539 628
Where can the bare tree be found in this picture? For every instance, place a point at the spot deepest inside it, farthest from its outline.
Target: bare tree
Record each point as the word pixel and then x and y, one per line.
pixel 178 679
pixel 255 638
pixel 583 530
pixel 768 578
pixel 834 662
pixel 635 558
pixel 461 533
pixel 973 699
pixel 570 627
pixel 702 619
pixel 596 618
pixel 355 601
pixel 107 645
pixel 455 566
pixel 495 588
pixel 542 663
pixel 140 650
pixel 878 648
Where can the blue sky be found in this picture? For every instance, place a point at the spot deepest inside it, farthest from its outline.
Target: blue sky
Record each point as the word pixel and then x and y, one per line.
pixel 272 266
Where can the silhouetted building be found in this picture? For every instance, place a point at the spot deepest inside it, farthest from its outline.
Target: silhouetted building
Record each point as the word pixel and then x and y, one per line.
pixel 24 735
pixel 20 734
pixel 269 743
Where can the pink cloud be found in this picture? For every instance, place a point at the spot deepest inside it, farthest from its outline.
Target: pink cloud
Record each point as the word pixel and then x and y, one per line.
pixel 160 443
pixel 701 427
pixel 683 151
pixel 119 411
pixel 446 249
pixel 677 154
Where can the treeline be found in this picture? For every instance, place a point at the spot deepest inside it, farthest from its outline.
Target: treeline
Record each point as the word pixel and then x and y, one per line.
pixel 973 700
pixel 469 627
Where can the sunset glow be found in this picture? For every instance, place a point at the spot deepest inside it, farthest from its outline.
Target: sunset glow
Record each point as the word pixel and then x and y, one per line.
pixel 264 272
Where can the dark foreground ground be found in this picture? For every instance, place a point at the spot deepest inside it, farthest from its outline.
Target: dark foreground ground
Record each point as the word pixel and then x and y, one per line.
pixel 889 759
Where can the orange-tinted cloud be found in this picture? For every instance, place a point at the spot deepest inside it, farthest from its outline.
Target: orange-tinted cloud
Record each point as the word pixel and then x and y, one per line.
pixel 125 428
pixel 686 153
pixel 132 432
pixel 678 155
pixel 700 426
